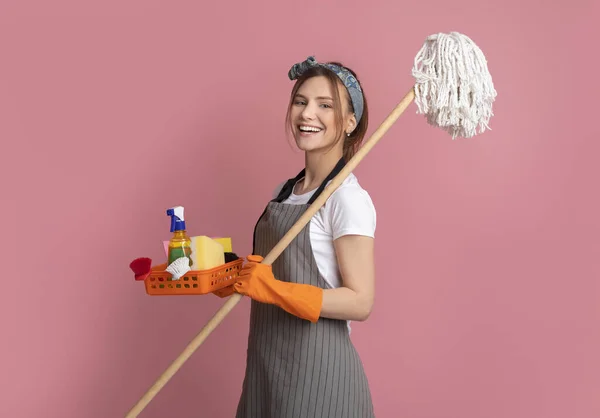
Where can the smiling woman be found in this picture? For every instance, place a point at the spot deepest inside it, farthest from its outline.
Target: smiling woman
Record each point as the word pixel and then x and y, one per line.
pixel 300 359
pixel 321 88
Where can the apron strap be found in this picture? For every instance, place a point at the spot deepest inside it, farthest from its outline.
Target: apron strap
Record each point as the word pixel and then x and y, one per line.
pixel 288 188
pixel 336 170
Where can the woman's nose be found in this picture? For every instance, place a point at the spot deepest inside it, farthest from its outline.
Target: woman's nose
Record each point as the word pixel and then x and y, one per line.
pixel 309 111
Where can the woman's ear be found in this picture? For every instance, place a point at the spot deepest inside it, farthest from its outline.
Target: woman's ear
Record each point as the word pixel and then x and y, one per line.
pixel 351 124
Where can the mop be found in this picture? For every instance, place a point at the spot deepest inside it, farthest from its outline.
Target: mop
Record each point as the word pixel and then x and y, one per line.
pixel 454 91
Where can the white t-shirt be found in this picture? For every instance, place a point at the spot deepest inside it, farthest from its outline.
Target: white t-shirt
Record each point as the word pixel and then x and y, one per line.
pixel 349 210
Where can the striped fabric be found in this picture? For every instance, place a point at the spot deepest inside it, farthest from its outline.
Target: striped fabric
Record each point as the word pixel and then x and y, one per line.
pixel 296 369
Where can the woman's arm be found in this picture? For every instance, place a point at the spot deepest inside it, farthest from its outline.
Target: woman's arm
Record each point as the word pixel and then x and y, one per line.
pixel 354 299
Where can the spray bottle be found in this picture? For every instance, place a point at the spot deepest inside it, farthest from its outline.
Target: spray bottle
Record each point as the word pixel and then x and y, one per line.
pixel 180 244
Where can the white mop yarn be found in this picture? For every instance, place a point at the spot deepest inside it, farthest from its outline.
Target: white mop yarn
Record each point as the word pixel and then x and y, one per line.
pixel 454 88
pixel 179 267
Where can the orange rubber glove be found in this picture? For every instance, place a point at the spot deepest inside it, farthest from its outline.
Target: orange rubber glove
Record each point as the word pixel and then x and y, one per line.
pixel 257 281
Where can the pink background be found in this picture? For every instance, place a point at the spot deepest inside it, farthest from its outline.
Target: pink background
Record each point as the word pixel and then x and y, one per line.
pixel 488 303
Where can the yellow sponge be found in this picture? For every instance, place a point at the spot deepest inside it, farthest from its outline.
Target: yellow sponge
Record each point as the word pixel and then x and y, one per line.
pixel 226 243
pixel 206 253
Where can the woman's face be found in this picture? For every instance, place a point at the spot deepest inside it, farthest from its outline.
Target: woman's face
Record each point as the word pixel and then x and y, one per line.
pixel 313 117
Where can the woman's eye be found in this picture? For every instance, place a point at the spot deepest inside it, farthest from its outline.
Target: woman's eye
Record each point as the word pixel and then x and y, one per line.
pixel 328 106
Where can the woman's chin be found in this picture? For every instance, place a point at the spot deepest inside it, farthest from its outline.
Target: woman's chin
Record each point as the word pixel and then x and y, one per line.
pixel 309 143
pixel 304 147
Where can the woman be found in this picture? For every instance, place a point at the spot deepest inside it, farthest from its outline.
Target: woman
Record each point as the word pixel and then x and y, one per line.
pixel 300 359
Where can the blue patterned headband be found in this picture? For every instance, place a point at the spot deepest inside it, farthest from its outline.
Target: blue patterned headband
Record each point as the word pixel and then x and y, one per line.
pixel 346 76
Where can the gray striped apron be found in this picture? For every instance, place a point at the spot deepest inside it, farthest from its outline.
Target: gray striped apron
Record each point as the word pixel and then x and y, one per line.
pixel 296 369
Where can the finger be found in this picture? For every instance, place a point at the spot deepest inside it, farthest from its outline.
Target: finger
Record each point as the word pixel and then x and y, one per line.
pixel 245 272
pixel 240 288
pixel 249 266
pixel 248 269
pixel 254 258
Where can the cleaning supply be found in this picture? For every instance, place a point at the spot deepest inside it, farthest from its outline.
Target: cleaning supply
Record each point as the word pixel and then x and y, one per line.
pixel 141 267
pixel 229 257
pixel 178 268
pixel 225 242
pixel 227 248
pixel 206 253
pixel 180 245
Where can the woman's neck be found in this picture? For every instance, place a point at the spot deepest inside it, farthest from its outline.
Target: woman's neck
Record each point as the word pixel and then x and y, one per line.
pixel 317 168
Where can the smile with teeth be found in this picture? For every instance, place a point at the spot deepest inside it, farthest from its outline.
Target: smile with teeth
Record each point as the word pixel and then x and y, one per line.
pixel 310 129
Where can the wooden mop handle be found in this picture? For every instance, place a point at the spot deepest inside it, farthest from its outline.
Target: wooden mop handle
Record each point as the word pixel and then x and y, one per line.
pixel 273 254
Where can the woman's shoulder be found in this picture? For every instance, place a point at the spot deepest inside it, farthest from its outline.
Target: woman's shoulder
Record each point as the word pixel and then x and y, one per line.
pixel 351 192
pixel 350 210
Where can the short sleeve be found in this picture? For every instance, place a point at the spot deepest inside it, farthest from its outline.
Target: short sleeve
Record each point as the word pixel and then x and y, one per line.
pixel 351 212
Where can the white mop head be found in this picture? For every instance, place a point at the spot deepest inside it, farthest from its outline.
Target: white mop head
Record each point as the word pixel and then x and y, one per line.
pixel 454 88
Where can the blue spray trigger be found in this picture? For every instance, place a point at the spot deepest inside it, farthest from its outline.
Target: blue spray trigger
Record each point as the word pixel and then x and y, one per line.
pixel 177 221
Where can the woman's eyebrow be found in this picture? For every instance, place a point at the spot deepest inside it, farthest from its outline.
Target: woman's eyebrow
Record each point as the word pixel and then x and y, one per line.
pixel 318 98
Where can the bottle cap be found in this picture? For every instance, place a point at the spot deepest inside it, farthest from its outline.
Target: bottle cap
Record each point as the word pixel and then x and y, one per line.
pixel 177 221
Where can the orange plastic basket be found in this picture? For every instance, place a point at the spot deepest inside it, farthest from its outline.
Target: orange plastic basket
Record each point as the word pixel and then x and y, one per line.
pixel 195 282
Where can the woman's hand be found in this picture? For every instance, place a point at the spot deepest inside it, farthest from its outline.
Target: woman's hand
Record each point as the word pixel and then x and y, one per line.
pixel 256 280
pixel 250 281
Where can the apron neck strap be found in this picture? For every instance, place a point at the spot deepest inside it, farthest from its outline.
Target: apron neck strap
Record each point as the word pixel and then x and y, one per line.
pixel 339 166
pixel 288 187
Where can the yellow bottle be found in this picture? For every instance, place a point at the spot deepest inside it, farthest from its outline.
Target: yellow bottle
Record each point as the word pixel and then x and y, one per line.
pixel 180 244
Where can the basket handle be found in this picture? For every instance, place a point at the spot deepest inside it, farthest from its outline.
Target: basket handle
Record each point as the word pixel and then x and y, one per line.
pixel 274 253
